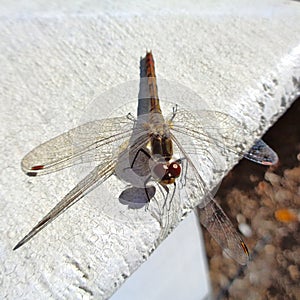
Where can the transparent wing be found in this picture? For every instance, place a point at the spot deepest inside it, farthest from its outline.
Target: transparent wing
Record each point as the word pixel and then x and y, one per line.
pixel 224 133
pixel 89 142
pixel 194 191
pixel 263 154
pixel 213 141
pixel 98 175
pixel 214 136
pixel 213 218
pixel 204 157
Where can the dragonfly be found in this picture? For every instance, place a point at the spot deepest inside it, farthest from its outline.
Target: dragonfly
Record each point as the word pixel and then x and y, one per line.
pixel 145 147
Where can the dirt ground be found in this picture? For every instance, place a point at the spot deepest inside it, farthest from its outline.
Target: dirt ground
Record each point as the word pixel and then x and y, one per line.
pixel 264 203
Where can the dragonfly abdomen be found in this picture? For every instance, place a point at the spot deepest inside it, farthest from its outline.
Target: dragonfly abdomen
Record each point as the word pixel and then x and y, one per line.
pixel 153 93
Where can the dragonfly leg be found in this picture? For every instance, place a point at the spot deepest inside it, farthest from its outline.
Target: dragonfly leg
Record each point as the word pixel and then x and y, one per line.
pixel 146 191
pixel 175 108
pixel 166 198
pixel 137 153
pixel 131 117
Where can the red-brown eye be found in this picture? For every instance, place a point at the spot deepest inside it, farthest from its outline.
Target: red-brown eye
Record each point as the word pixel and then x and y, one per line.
pixel 174 169
pixel 166 174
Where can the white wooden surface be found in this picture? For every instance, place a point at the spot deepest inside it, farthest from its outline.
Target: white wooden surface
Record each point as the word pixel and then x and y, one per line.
pixel 242 59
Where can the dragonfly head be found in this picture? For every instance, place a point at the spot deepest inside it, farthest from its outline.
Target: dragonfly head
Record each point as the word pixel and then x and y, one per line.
pixel 166 173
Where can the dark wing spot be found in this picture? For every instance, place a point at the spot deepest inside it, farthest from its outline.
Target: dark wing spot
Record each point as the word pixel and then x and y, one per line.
pixel 31 174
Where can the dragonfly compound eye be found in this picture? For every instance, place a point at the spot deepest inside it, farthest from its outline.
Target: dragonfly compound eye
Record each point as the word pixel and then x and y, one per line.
pixel 166 174
pixel 174 169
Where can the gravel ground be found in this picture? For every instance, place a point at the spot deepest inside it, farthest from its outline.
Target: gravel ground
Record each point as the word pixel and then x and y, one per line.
pixel 264 203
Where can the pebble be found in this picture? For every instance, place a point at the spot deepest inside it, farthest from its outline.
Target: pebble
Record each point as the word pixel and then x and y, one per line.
pixel 273 178
pixel 294 272
pixel 270 249
pixel 245 229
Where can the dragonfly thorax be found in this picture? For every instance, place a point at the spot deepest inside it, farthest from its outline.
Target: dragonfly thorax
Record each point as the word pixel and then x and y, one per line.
pixel 161 147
